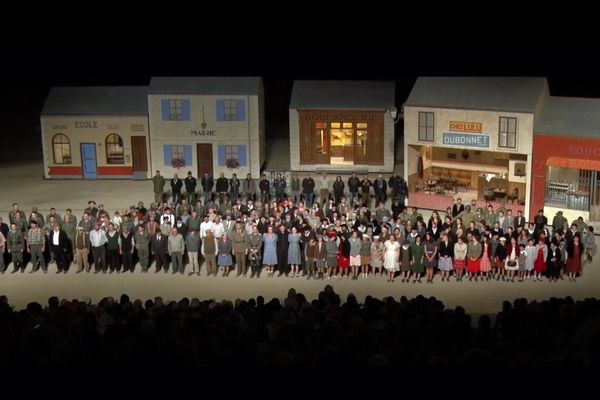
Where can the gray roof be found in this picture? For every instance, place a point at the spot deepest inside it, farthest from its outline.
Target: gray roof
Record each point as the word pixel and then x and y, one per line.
pixel 97 100
pixel 518 94
pixel 569 116
pixel 347 95
pixel 250 85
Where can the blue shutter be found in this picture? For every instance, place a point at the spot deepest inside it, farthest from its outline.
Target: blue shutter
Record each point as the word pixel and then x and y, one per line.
pixel 186 110
pixel 187 155
pixel 164 107
pixel 220 110
pixel 167 154
pixel 241 110
pixel 242 154
pixel 221 157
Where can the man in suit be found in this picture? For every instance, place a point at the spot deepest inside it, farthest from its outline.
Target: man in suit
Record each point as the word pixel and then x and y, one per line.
pixel 457 208
pixel 159 246
pixel 519 221
pixel 59 245
pixel 380 188
pixel 176 185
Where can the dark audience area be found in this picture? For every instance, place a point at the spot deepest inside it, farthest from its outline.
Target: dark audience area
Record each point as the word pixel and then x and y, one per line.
pixel 298 332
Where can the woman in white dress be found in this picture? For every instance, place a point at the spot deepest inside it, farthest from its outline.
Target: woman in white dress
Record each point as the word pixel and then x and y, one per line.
pixel 391 259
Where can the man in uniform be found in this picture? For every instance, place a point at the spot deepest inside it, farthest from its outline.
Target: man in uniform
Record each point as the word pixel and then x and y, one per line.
pixel 16 246
pixel 141 240
pixel 159 187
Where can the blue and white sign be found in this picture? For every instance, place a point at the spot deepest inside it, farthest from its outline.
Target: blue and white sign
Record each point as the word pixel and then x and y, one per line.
pixel 465 139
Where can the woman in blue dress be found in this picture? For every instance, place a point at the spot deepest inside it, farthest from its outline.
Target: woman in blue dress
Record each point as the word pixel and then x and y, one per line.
pixel 294 251
pixel 270 250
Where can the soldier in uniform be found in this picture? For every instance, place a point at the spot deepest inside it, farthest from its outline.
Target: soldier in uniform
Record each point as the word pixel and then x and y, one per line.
pixel 240 247
pixel 141 241
pixel 16 246
pixel 255 241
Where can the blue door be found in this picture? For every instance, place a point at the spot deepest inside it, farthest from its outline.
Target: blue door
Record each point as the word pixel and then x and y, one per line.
pixel 88 158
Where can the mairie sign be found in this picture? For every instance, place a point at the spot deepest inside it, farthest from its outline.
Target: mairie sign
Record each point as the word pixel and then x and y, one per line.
pixel 465 139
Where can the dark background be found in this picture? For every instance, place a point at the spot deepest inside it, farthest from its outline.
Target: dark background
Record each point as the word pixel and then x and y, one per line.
pixel 30 69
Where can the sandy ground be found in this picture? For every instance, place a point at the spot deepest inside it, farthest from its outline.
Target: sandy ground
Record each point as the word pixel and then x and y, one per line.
pixel 24 183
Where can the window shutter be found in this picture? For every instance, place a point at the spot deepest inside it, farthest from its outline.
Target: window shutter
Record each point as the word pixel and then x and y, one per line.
pixel 167 154
pixel 220 110
pixel 186 110
pixel 187 155
pixel 242 155
pixel 164 106
pixel 221 155
pixel 241 110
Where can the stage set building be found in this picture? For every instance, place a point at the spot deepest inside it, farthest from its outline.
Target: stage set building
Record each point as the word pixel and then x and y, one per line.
pixel 472 134
pixel 566 159
pixel 342 126
pixel 96 133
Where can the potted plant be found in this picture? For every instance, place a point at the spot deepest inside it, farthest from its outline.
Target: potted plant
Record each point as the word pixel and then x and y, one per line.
pixel 178 163
pixel 232 163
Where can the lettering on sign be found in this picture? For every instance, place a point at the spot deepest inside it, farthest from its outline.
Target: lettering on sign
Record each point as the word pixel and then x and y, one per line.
pixel 465 139
pixel 469 127
pixel 203 132
pixel 588 151
pixel 112 126
pixel 86 124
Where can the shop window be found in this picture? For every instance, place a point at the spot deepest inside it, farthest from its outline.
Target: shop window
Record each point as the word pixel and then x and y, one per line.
pixel 177 155
pixel 175 110
pixel 232 156
pixel 61 147
pixel 114 149
pixel 569 188
pixel 426 131
pixel 231 110
pixel 508 133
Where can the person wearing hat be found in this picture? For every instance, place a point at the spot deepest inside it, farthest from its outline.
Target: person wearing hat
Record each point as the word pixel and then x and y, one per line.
pixel 82 250
pixel 558 222
pixel 159 244
pixel 36 244
pixel 377 252
pixel 192 245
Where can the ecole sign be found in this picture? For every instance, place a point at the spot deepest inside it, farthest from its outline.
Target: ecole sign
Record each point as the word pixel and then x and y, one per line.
pixel 86 124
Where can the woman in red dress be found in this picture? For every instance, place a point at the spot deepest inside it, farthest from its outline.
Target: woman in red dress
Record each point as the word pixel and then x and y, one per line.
pixel 344 255
pixel 541 251
pixel 574 252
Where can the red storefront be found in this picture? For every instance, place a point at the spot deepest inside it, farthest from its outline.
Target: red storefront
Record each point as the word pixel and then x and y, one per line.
pixel 566 159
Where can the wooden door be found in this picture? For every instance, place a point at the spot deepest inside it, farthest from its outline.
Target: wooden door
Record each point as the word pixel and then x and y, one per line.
pixel 375 147
pixel 139 157
pixel 204 156
pixel 307 150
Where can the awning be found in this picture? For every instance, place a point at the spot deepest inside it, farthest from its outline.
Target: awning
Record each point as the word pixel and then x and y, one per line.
pixel 573 163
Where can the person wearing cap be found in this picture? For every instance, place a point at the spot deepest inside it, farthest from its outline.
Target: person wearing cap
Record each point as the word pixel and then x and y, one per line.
pixel 141 241
pixel 159 187
pixel 255 242
pixel 15 242
pixel 240 247
pixel 380 189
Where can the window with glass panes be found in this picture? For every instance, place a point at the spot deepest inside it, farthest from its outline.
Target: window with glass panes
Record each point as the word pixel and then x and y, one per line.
pixel 426 127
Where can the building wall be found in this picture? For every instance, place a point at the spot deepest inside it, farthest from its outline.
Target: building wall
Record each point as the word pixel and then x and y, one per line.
pixel 388 146
pixel 203 127
pixel 545 146
pixel 92 129
pixel 490 126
